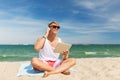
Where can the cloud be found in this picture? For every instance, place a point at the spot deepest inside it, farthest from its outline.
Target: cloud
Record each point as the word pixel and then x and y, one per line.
pixel 87 4
pixel 93 4
pixel 90 28
pixel 103 8
pixel 19 29
pixel 90 33
pixel 105 11
pixel 21 33
pixel 115 18
pixel 86 39
pixel 88 21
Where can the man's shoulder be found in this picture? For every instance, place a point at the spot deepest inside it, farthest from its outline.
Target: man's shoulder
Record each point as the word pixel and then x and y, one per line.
pixel 59 39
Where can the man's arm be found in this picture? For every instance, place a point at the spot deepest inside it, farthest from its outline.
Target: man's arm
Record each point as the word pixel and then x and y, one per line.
pixel 65 55
pixel 40 42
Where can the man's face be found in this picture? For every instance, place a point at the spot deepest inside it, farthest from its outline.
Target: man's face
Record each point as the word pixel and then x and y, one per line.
pixel 54 28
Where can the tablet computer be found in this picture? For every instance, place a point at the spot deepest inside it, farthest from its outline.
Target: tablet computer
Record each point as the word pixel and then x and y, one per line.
pixel 61 47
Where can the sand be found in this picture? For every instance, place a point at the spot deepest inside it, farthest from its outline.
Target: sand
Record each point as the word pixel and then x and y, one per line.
pixel 85 69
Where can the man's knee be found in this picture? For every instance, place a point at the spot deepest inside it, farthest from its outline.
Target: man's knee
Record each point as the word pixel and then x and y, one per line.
pixel 72 61
pixel 34 61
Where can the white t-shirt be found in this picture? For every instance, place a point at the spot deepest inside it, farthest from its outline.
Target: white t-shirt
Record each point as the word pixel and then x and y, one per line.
pixel 46 53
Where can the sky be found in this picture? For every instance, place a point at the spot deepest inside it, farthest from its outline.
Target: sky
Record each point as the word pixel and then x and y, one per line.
pixel 81 21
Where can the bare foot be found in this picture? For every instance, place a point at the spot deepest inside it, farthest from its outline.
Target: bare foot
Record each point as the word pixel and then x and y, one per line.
pixel 66 72
pixel 45 74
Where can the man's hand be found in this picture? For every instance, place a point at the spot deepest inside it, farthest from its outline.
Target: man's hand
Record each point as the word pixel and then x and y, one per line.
pixel 47 32
pixel 65 55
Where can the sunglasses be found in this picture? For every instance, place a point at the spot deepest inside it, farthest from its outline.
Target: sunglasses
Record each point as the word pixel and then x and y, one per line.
pixel 58 27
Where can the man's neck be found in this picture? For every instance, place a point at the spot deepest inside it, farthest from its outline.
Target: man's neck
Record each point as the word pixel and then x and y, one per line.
pixel 51 37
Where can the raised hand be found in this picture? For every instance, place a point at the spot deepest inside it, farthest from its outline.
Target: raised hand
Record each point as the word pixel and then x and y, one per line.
pixel 47 32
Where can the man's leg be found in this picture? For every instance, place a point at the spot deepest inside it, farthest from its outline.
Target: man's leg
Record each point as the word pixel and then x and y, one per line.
pixel 57 63
pixel 65 65
pixel 40 65
pixel 67 72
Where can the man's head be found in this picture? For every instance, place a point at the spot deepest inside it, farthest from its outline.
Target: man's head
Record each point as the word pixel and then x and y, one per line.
pixel 54 24
pixel 54 27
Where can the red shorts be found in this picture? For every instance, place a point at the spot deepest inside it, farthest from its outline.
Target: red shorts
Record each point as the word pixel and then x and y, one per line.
pixel 50 63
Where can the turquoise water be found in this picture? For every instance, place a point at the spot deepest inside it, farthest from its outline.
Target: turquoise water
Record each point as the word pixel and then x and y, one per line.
pixel 26 52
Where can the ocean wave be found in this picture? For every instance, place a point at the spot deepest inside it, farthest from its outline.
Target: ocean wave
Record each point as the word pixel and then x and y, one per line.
pixel 89 53
pixel 5 56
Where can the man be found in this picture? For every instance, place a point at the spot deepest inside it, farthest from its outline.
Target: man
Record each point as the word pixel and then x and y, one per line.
pixel 48 61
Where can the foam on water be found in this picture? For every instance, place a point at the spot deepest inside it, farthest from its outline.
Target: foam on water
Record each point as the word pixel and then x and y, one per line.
pixel 89 53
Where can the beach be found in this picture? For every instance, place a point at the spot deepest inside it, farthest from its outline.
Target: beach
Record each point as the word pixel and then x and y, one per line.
pixel 85 69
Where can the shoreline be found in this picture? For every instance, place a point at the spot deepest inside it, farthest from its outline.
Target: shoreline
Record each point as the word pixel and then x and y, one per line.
pixel 86 69
pixel 70 57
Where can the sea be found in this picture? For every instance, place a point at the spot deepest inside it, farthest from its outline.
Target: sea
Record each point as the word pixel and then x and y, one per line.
pixel 27 52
